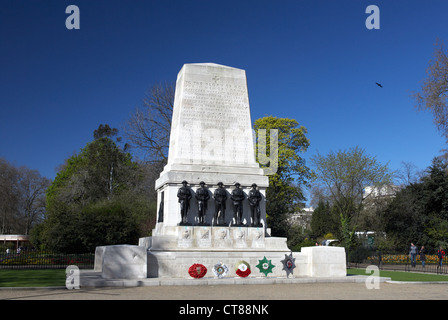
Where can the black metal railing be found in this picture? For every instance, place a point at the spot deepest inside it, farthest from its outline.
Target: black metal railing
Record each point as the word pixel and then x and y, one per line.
pixel 45 260
pixel 402 262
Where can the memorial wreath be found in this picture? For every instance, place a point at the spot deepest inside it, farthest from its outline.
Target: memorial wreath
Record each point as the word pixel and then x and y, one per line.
pixel 220 270
pixel 265 266
pixel 242 269
pixel 197 270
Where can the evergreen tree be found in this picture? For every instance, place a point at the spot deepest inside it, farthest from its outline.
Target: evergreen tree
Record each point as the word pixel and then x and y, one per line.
pixel 418 213
pixel 97 198
pixel 324 220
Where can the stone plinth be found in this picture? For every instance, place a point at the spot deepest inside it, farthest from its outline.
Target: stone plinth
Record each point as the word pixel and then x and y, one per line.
pixel 122 262
pixel 325 261
pixel 167 259
pixel 175 264
pixel 172 250
pixel 137 262
pixel 203 238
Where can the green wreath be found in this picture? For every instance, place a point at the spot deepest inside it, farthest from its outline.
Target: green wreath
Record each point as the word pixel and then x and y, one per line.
pixel 265 266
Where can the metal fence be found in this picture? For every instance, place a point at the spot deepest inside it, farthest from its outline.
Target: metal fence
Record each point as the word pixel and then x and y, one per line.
pixel 45 260
pixel 402 262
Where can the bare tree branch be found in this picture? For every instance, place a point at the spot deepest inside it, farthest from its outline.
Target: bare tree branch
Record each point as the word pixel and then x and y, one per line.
pixel 148 129
pixel 434 92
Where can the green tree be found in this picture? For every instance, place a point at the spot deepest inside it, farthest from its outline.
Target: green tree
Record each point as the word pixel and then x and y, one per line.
pixel 284 194
pixel 98 197
pixel 324 219
pixel 435 189
pixel 104 130
pixel 99 171
pixel 343 175
pixel 419 212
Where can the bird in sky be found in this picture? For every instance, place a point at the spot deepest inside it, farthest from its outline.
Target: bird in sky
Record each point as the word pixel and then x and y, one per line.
pixel 379 84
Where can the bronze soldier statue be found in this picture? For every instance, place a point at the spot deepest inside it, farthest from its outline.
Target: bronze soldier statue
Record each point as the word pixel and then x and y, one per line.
pixel 220 196
pixel 254 204
pixel 237 200
pixel 202 196
pixel 161 208
pixel 184 195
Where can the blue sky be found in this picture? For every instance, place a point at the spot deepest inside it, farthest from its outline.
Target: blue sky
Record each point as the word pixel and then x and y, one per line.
pixel 310 60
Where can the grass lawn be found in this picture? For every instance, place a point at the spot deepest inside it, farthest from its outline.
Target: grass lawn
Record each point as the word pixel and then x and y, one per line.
pixel 402 276
pixel 32 278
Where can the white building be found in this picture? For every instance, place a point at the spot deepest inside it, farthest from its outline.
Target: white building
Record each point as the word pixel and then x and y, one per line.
pixel 17 239
pixel 384 191
pixel 302 218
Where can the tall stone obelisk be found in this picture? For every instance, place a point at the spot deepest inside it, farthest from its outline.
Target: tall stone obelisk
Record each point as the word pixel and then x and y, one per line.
pixel 211 139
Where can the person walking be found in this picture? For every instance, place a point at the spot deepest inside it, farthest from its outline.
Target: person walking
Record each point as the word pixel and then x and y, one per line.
pixel 440 255
pixel 423 256
pixel 413 254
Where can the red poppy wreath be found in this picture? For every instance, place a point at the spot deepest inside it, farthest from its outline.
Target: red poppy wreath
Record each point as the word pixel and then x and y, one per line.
pixel 197 270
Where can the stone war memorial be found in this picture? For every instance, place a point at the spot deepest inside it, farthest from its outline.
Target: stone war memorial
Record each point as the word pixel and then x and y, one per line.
pixel 211 196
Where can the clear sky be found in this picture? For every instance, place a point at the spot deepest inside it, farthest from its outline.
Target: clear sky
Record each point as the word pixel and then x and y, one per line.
pixel 311 60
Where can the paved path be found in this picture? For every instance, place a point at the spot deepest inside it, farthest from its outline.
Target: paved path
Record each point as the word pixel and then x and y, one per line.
pixel 267 301
pixel 302 291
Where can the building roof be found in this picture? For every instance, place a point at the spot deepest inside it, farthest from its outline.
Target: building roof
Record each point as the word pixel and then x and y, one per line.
pixel 14 237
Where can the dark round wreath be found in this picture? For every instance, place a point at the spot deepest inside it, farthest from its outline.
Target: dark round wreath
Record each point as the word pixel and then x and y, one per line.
pixel 197 270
